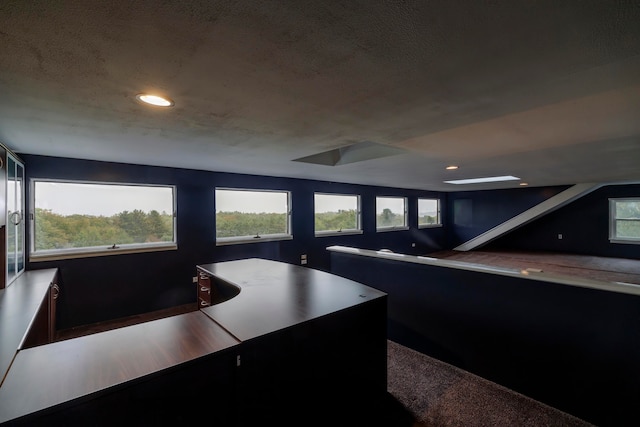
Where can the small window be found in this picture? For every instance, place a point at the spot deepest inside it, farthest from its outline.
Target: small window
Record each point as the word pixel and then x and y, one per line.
pixel 624 220
pixel 246 216
pixel 391 213
pixel 80 219
pixel 336 214
pixel 428 213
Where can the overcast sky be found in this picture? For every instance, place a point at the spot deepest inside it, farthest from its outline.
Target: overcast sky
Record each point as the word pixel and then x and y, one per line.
pixel 334 203
pixel 107 200
pixel 97 199
pixel 276 202
pixel 251 201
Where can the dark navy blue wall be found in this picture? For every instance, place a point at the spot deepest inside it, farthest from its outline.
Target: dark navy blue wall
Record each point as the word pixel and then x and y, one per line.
pixel 107 287
pixel 483 210
pixel 574 348
pixel 584 225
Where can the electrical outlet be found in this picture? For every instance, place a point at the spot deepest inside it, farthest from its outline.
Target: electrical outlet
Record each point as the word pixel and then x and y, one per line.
pixel 559 236
pixel 413 245
pixel 194 279
pixel 303 259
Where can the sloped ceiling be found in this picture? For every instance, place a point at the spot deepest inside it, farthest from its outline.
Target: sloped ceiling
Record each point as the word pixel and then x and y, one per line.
pixel 548 91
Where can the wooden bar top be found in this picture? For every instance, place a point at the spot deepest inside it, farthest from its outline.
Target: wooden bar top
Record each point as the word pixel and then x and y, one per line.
pixel 76 368
pixel 276 295
pixel 19 303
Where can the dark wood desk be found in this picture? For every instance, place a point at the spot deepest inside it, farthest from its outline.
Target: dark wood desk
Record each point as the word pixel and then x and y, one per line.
pixel 313 343
pixel 274 295
pixel 292 341
pixel 71 371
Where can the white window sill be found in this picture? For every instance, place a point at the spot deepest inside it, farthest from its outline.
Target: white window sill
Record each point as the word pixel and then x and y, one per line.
pixel 53 255
pixel 252 239
pixel 626 241
pixel 337 233
pixel 385 229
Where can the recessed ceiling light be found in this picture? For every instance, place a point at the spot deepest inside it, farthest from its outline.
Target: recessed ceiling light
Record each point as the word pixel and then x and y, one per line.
pixel 156 100
pixel 452 167
pixel 487 179
pixel 524 183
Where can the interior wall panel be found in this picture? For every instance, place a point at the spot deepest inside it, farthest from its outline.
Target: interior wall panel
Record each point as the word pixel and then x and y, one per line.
pixel 107 287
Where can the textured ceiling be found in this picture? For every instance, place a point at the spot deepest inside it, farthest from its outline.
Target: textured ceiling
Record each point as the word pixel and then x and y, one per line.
pixel 548 91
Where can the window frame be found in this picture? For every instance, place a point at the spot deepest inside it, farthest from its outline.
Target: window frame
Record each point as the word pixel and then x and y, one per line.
pixel 613 237
pixel 341 232
pixel 393 227
pixel 222 241
pixel 438 218
pixel 94 251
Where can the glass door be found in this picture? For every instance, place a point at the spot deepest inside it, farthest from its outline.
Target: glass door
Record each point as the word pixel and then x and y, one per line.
pixel 20 227
pixel 15 218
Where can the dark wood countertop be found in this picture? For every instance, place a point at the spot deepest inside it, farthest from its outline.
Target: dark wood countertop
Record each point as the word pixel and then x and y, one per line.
pixel 273 296
pixel 19 303
pixel 276 295
pixel 76 368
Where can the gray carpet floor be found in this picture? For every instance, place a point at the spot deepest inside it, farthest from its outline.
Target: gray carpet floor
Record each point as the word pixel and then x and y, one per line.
pixel 438 394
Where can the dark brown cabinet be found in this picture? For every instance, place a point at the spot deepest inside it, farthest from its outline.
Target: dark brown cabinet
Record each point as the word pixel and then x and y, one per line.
pixel 43 328
pixel 204 289
pixel 54 292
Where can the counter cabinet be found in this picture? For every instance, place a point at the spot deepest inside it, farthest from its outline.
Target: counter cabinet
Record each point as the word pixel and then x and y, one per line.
pixel 43 328
pixel 279 344
pixel 27 314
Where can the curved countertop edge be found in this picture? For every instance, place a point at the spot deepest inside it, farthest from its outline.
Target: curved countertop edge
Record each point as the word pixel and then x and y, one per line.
pixel 212 339
pixel 620 287
pixel 265 283
pixel 236 289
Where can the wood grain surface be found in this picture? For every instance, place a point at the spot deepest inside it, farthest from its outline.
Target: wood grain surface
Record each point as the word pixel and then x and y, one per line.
pixel 276 295
pixel 76 368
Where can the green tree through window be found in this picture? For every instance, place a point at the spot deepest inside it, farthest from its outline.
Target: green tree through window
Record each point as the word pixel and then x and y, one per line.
pixel 391 213
pixel 625 220
pixel 246 215
pixel 55 231
pixel 76 218
pixel 334 213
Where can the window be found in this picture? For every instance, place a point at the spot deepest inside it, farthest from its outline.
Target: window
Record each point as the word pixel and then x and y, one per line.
pixel 391 213
pixel 428 213
pixel 244 216
pixel 79 219
pixel 624 220
pixel 336 214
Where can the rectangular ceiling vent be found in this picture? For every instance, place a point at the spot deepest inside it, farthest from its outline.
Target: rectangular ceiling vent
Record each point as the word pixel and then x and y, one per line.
pixel 358 152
